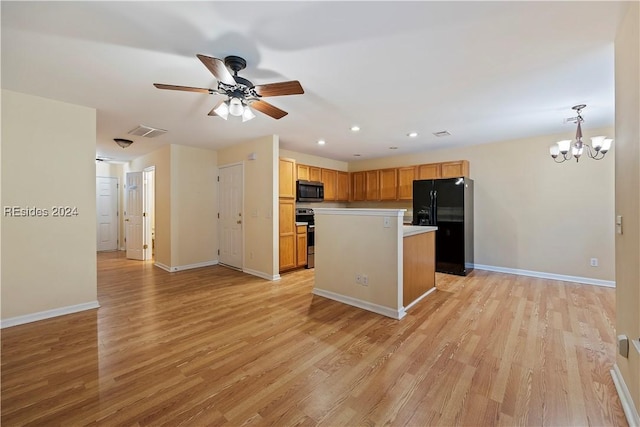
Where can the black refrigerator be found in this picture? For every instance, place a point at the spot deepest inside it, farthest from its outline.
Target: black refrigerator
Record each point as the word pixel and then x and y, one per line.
pixel 448 205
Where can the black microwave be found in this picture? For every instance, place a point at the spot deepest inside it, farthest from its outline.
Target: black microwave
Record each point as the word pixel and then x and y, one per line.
pixel 309 191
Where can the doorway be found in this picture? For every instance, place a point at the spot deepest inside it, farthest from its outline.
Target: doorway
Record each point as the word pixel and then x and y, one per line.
pixel 230 224
pixel 140 214
pixel 106 213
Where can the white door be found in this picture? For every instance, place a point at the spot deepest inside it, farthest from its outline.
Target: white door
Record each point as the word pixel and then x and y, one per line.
pixel 133 216
pixel 107 213
pixel 230 224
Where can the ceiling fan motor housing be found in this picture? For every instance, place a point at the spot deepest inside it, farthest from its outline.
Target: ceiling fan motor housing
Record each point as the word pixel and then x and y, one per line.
pixel 235 63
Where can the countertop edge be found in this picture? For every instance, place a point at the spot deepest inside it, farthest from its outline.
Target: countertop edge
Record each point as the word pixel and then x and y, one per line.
pixel 412 230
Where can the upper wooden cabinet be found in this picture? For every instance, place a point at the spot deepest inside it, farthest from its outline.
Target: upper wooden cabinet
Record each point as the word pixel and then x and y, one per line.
pixel 406 176
pixel 343 187
pixel 358 188
pixel 329 178
pixel 303 172
pixel 430 171
pixel 287 178
pixel 315 174
pixel 455 169
pixel 388 184
pixel 371 185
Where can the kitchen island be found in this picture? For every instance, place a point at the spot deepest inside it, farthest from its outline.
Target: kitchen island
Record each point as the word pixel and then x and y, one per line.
pixel 368 259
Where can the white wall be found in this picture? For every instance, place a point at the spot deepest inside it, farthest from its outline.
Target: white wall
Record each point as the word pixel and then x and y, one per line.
pixel 531 213
pixel 261 244
pixel 48 159
pixel 627 48
pixel 194 207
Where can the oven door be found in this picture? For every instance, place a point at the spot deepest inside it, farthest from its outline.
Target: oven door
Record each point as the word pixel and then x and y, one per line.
pixel 311 235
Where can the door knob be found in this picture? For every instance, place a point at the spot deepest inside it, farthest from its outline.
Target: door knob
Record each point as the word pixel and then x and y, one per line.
pixel 238 222
pixel 127 219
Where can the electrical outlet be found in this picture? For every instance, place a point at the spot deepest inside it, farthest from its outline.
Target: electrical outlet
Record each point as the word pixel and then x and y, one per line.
pixel 359 278
pixel 594 262
pixel 386 222
pixel 365 280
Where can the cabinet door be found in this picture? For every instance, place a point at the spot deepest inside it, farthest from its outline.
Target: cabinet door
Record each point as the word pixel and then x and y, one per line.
pixel 388 180
pixel 430 171
pixel 301 244
pixel 303 172
pixel 406 176
pixel 455 169
pixel 372 189
pixel 286 175
pixel 330 181
pixel 315 174
pixel 287 234
pixel 343 186
pixel 358 190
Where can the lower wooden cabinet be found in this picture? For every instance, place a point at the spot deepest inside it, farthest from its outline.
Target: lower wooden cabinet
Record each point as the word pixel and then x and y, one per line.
pixel 301 245
pixel 288 255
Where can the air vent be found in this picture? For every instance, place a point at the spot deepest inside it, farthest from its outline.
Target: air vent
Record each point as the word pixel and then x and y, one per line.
pixel 442 133
pixel 147 131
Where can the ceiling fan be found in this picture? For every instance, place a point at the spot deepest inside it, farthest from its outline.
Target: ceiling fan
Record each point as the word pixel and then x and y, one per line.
pixel 241 93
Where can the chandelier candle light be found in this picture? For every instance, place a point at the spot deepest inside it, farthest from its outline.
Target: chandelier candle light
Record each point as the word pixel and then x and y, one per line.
pixel 601 144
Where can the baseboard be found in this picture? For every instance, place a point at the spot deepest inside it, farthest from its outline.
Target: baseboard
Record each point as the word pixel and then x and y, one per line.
pixel 628 407
pixel 261 274
pixel 185 267
pixel 542 275
pixel 420 298
pixel 47 314
pixel 365 305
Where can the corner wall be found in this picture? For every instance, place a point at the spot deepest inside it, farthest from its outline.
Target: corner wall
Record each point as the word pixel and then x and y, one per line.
pixel 530 213
pixel 261 244
pixel 627 66
pixel 48 159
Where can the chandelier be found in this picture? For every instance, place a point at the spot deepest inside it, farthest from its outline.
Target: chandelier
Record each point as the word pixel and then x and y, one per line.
pixel 599 144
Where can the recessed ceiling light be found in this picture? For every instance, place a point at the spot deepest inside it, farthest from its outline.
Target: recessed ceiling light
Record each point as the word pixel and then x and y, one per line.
pixel 357 155
pixel 442 133
pixel 355 128
pixel 393 148
pixel 412 134
pixel 321 142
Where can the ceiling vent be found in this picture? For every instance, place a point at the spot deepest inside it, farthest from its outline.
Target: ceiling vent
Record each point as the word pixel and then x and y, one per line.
pixel 442 133
pixel 147 131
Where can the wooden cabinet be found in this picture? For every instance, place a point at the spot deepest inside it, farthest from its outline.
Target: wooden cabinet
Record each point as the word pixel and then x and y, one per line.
pixel 343 187
pixel 429 171
pixel 358 188
pixel 287 219
pixel 455 169
pixel 406 176
pixel 372 189
pixel 303 172
pixel 388 184
pixel 287 178
pixel 301 245
pixel 329 178
pixel 315 174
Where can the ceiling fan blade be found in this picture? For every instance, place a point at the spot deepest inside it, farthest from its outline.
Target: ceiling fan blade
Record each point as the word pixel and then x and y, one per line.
pixel 185 88
pixel 278 89
pixel 268 109
pixel 218 69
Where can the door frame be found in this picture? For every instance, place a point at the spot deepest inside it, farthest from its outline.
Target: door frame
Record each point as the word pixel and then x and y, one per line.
pixel 149 210
pixel 244 217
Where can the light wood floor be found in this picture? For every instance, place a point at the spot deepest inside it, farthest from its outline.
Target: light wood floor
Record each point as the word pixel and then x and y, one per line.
pixel 213 346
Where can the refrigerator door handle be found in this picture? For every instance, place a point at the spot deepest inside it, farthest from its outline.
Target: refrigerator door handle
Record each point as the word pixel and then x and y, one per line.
pixel 434 205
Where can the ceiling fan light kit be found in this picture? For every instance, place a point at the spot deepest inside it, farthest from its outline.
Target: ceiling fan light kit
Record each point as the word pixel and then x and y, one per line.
pixel 241 93
pixel 562 151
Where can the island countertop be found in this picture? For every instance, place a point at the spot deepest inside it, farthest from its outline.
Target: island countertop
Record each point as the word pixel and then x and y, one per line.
pixel 412 230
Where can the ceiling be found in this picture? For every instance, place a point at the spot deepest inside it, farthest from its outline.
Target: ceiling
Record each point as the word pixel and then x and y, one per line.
pixel 484 71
